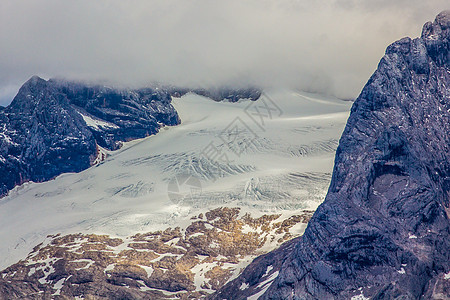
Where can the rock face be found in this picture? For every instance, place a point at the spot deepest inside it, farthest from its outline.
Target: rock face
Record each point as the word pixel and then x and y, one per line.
pixel 383 231
pixel 219 94
pixel 53 127
pixel 178 263
pixel 229 94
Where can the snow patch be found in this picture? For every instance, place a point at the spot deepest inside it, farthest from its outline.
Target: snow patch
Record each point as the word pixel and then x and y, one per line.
pixel 172 242
pixel 199 275
pixel 47 269
pixel 161 256
pixel 244 286
pixel 264 285
pixel 147 269
pixel 89 263
pixel 58 286
pixel 143 287
pixel 5 137
pixel 360 297
pixel 97 123
pixel 196 234
pixel 269 268
pixel 109 268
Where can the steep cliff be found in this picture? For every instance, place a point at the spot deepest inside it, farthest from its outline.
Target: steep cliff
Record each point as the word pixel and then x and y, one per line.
pixel 383 231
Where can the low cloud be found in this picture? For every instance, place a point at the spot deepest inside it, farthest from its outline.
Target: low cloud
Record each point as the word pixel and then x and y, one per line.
pixel 329 46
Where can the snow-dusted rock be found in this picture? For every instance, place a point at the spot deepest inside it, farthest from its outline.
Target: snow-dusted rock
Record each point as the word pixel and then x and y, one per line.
pixel 55 126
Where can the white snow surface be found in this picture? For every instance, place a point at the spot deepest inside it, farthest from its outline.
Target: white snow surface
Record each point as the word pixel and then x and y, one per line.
pixel 272 159
pixel 97 123
pixel 264 286
pixel 360 297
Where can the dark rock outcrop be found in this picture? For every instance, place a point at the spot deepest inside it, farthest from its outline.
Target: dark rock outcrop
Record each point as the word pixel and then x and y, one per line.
pixel 383 231
pixel 55 126
pixel 229 94
pixel 220 94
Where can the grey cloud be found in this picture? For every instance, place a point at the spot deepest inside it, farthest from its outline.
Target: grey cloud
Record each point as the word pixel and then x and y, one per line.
pixel 327 46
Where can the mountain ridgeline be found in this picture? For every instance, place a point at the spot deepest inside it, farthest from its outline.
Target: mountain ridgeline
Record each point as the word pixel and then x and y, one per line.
pixel 54 127
pixel 383 231
pixel 57 126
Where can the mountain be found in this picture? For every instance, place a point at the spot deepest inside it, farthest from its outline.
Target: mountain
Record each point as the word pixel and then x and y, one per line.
pixel 383 231
pixel 179 213
pixel 59 126
pixel 220 94
pixel 55 126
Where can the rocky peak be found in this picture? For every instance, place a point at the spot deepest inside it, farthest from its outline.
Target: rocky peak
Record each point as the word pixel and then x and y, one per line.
pixel 56 126
pixel 383 231
pixel 34 81
pixel 435 36
pixel 26 97
pixel 440 25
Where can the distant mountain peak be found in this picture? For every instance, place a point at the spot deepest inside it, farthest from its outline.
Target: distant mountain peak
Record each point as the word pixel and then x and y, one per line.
pixel 435 37
pixel 34 80
pixel 58 126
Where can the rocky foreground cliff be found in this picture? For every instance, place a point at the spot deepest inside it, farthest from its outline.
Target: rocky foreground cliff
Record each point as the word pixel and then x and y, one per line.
pixel 383 231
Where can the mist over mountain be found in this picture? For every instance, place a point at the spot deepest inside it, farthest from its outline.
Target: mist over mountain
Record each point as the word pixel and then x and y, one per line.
pixel 54 127
pixel 328 46
pixel 58 126
pixel 184 149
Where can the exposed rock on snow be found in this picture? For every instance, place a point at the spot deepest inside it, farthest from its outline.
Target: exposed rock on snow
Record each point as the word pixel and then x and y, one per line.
pixel 188 262
pixel 130 190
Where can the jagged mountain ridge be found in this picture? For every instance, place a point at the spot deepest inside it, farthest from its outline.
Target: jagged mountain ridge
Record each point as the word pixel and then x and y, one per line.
pixel 220 94
pixel 55 126
pixel 383 231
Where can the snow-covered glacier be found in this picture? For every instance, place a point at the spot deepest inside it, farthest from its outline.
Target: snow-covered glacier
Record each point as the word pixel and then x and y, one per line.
pixel 274 155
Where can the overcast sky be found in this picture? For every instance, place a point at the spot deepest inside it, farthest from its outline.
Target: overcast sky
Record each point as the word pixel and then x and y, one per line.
pixel 330 46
